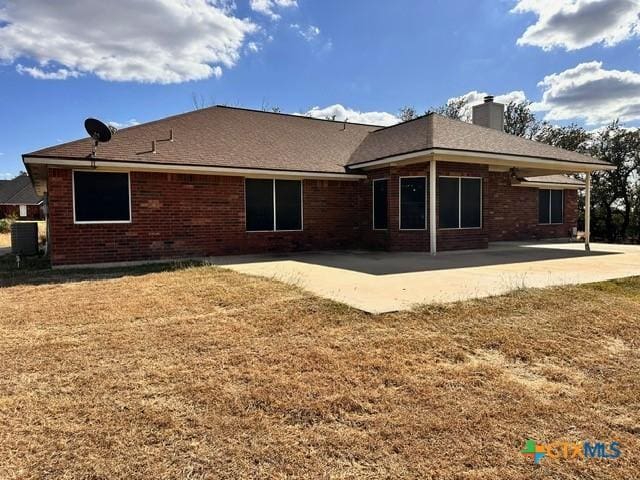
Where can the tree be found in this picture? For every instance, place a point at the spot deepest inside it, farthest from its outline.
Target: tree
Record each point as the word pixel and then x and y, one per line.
pixel 455 108
pixel 614 191
pixel 570 137
pixel 520 120
pixel 407 113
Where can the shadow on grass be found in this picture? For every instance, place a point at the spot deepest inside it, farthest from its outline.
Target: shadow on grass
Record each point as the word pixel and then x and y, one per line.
pixel 38 271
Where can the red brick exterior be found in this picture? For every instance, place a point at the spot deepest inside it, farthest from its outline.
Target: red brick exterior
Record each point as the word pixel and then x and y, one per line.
pixel 178 215
pixel 34 212
pixel 512 212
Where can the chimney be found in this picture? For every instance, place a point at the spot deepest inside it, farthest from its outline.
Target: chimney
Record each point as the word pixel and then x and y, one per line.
pixel 489 114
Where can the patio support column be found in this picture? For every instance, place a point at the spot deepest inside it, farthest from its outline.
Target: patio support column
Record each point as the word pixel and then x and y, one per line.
pixel 587 212
pixel 432 207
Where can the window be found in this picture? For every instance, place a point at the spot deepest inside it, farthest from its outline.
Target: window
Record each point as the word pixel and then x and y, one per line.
pixel 460 202
pixel 273 204
pixel 413 203
pixel 101 197
pixel 550 206
pixel 23 210
pixel 380 205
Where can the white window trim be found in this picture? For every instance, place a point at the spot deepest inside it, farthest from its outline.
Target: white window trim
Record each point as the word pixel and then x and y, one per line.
pixel 23 208
pixel 561 211
pixel 273 195
pixel 97 222
pixel 426 204
pixel 373 205
pixel 459 227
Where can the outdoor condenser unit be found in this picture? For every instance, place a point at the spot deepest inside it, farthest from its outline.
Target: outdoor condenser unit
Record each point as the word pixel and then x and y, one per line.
pixel 24 238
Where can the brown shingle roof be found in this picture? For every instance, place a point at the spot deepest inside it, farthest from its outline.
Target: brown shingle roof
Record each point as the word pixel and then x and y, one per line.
pixel 230 137
pixel 18 191
pixel 554 179
pixel 240 138
pixel 439 132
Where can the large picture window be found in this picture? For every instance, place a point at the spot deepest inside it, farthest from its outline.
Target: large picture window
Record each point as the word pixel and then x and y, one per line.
pixel 380 204
pixel 460 203
pixel 101 197
pixel 550 206
pixel 273 204
pixel 413 203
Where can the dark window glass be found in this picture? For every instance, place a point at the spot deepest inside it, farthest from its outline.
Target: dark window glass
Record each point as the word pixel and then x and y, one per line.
pixel 470 198
pixel 101 196
pixel 412 203
pixel 380 204
pixel 556 206
pixel 259 204
pixel 288 205
pixel 543 206
pixel 449 202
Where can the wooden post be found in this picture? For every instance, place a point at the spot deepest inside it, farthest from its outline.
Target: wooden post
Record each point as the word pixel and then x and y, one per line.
pixel 587 213
pixel 432 207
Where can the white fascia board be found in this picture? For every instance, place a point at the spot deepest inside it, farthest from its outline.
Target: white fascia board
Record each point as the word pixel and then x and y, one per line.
pixel 485 159
pixel 191 169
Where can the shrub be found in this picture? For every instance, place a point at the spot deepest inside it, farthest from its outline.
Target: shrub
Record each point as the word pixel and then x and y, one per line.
pixel 5 225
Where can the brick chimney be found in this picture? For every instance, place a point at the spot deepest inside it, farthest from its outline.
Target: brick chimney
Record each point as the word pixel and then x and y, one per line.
pixel 489 114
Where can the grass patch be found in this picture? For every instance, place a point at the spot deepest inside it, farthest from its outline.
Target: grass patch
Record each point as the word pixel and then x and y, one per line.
pixel 190 371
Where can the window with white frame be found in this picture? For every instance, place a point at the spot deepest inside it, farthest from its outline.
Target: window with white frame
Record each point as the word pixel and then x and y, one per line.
pixel 23 210
pixel 101 197
pixel 413 203
pixel 380 204
pixel 460 202
pixel 550 206
pixel 272 205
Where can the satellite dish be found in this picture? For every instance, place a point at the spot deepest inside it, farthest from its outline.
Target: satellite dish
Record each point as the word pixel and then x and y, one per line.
pixel 99 131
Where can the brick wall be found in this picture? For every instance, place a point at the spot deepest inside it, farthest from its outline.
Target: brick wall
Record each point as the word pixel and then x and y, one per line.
pixel 176 215
pixel 34 212
pixel 513 212
pixel 418 240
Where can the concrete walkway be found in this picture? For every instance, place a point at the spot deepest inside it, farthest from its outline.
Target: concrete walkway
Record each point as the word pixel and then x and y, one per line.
pixel 379 282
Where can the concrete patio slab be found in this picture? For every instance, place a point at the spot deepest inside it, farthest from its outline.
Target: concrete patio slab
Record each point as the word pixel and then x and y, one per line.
pixel 380 282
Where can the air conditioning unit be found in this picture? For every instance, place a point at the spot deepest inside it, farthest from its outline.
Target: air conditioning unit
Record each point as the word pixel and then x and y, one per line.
pixel 24 238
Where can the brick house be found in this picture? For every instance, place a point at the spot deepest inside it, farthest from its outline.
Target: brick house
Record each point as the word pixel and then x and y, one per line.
pixel 227 180
pixel 18 199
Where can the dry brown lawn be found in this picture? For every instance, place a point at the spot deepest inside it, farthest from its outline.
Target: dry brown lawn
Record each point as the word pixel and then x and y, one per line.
pixel 204 373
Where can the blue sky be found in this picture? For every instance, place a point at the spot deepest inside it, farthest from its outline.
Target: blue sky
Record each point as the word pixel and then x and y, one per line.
pixel 360 59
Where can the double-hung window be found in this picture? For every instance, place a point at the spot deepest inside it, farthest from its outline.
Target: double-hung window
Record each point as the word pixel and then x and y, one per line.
pixel 380 204
pixel 460 203
pixel 550 206
pixel 273 205
pixel 413 203
pixel 101 197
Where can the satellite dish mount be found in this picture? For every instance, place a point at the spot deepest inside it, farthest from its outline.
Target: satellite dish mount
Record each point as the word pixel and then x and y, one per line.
pixel 99 132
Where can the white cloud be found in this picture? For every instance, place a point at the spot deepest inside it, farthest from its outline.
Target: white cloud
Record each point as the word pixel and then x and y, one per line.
pixel 268 7
pixel 129 123
pixel 592 93
pixel 309 33
pixel 475 98
pixel 341 113
pixel 157 41
pixel 574 24
pixel 253 47
pixel 59 74
pixel 8 176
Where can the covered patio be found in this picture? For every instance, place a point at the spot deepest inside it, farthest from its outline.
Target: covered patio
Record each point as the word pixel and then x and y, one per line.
pixel 379 282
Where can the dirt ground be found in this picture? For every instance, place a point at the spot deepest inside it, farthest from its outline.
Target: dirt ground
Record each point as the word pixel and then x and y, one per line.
pixel 196 372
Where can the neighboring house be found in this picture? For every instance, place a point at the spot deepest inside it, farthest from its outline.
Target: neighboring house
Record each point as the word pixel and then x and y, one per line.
pixel 227 180
pixel 18 199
